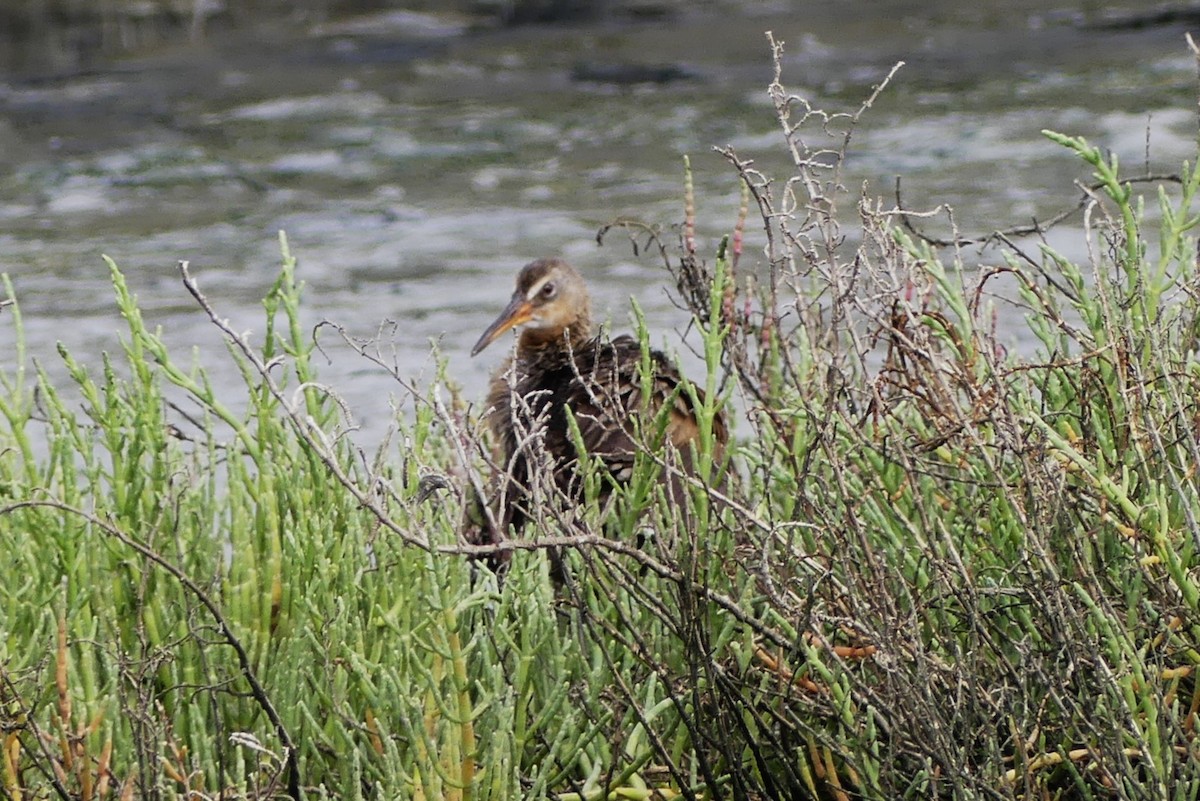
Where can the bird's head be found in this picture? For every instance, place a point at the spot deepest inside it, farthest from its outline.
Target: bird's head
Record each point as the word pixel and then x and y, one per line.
pixel 551 303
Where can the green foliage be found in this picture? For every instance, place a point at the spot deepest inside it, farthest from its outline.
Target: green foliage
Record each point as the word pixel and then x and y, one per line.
pixel 929 568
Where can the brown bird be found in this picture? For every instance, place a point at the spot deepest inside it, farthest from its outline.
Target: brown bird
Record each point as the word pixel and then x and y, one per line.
pixel 559 365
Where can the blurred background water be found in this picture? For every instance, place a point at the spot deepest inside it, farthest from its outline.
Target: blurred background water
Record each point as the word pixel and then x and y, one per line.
pixel 418 154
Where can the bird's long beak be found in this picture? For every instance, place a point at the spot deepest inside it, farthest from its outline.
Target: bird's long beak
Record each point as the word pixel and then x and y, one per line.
pixel 519 310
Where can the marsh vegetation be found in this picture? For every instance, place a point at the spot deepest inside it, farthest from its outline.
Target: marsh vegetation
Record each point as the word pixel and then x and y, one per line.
pixel 945 569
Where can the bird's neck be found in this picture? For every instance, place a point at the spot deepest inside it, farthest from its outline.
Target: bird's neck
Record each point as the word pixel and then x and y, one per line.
pixel 542 343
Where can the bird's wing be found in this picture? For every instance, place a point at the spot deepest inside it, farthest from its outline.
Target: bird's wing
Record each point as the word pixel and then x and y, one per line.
pixel 610 395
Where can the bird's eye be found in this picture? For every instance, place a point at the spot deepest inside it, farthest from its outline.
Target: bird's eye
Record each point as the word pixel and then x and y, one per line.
pixel 549 290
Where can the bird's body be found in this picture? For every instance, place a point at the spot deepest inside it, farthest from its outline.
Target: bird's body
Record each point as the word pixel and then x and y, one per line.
pixel 560 365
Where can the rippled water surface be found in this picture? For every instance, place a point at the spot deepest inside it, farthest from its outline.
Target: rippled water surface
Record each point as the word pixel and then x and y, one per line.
pixel 415 167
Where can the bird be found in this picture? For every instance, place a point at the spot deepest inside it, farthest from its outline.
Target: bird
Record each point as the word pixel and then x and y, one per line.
pixel 560 364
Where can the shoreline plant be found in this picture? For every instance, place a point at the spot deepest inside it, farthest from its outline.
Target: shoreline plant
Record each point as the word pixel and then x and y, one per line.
pixel 947 570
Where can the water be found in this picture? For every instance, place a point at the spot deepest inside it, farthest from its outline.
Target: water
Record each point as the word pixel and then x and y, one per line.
pixel 415 168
